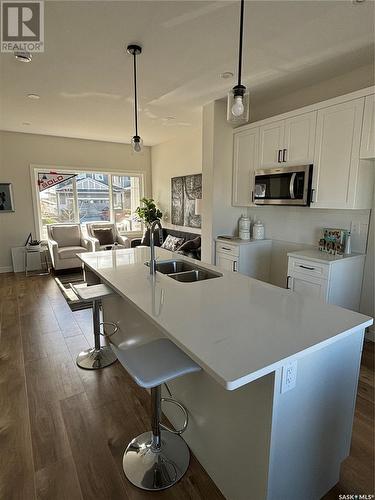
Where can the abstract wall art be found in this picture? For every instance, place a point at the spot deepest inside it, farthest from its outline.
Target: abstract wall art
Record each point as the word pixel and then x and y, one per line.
pixel 185 191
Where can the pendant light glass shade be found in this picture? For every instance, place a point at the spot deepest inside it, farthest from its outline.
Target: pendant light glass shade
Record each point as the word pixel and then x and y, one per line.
pixel 238 103
pixel 137 143
pixel 238 106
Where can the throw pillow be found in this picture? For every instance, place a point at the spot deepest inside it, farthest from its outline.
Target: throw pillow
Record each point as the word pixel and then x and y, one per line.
pixel 190 245
pixel 172 243
pixel 104 235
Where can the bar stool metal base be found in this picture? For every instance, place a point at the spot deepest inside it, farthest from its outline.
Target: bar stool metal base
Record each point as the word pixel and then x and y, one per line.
pixel 156 469
pixel 94 359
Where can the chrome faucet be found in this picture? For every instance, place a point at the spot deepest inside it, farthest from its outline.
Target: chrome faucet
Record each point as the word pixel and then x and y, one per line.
pixel 152 245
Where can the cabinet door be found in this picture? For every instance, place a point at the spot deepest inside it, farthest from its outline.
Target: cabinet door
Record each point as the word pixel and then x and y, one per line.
pixel 368 130
pixel 271 144
pixel 299 139
pixel 338 134
pixel 245 161
pixel 226 263
pixel 308 286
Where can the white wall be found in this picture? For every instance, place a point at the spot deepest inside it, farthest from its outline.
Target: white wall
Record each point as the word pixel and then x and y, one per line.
pixel 177 157
pixel 18 151
pixel 266 104
pixel 219 217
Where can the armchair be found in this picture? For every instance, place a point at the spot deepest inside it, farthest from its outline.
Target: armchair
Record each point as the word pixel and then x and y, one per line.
pixel 64 242
pixel 102 235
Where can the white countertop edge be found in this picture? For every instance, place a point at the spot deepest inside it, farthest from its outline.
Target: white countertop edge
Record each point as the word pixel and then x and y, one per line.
pixel 251 377
pixel 235 384
pixel 299 254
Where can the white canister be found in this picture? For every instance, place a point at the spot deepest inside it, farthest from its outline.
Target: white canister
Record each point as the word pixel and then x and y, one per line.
pixel 244 227
pixel 258 230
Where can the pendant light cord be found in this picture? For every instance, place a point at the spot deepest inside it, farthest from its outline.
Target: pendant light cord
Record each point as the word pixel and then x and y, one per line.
pixel 240 44
pixel 135 95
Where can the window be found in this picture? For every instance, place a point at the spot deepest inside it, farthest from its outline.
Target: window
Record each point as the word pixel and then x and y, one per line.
pixel 88 197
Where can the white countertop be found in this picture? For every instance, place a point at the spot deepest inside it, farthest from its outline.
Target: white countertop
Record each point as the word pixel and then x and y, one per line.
pixel 236 328
pixel 315 255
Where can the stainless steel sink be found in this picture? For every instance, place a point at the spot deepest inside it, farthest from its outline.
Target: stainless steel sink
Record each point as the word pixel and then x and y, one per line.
pixel 183 271
pixel 194 275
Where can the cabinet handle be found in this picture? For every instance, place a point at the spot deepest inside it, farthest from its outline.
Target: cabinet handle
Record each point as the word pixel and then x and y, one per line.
pixel 226 248
pixel 284 155
pixel 279 156
pixel 312 198
pixel 287 282
pixel 234 266
pixel 252 196
pixel 307 267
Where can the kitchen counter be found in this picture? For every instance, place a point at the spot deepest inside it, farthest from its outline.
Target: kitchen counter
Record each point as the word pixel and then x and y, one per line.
pixel 315 255
pixel 231 317
pixel 271 411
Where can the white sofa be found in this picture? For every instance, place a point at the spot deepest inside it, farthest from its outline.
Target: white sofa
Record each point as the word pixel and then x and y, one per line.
pixel 65 241
pixel 92 236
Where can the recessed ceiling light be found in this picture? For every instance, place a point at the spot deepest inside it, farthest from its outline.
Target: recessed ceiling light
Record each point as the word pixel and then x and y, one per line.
pixel 33 96
pixel 358 1
pixel 26 123
pixel 169 118
pixel 226 75
pixel 23 56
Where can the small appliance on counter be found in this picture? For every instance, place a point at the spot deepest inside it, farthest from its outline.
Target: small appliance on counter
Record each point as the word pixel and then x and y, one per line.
pixel 244 227
pixel 258 230
pixel 335 241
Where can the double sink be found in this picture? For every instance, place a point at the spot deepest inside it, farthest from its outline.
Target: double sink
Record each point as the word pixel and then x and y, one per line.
pixel 183 271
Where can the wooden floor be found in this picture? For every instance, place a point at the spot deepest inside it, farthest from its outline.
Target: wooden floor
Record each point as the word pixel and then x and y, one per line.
pixel 63 430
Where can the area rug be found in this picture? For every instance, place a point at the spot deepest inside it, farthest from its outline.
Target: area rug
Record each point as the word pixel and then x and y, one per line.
pixel 75 278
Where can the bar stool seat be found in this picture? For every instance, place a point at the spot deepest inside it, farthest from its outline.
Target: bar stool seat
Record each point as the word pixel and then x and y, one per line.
pixel 158 459
pixel 155 363
pixel 98 356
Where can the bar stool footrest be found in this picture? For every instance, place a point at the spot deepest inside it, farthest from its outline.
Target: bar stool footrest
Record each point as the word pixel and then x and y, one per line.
pixel 158 469
pixel 94 359
pixel 184 411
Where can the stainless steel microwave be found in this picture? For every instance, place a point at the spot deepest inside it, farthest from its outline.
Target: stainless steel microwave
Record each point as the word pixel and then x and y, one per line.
pixel 283 186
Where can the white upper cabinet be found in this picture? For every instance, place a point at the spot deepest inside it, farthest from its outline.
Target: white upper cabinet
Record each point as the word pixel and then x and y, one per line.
pixel 288 142
pixel 337 137
pixel 271 144
pixel 245 161
pixel 368 129
pixel 299 139
pixel 336 165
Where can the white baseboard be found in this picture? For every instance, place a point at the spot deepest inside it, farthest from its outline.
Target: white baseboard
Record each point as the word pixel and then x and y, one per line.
pixel 6 269
pixel 370 334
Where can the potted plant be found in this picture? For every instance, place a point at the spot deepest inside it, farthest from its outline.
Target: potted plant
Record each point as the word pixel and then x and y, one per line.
pixel 147 213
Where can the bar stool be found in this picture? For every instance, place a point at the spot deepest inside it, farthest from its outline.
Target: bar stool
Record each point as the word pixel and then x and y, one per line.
pixel 156 460
pixel 98 356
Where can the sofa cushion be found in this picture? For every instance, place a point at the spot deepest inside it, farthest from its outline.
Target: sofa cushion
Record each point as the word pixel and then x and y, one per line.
pixel 70 252
pixel 104 235
pixel 66 236
pixel 172 243
pixel 191 245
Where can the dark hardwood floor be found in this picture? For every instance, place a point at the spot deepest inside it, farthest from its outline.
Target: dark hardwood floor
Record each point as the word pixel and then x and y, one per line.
pixel 63 430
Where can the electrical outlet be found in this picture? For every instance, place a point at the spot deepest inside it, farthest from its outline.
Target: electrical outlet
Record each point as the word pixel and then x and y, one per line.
pixel 289 377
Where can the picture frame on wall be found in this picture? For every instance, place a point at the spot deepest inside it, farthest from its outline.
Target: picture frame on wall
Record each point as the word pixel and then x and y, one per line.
pixel 6 198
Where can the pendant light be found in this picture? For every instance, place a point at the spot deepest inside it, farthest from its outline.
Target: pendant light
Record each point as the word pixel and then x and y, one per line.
pixel 136 141
pixel 238 97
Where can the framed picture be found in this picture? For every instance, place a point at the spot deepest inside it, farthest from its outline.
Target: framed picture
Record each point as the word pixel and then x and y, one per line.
pixel 6 197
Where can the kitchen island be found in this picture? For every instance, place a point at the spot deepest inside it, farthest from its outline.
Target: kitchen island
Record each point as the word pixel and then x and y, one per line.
pixel 271 411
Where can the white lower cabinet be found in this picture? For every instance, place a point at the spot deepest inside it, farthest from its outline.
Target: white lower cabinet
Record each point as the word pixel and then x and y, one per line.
pixel 333 279
pixel 252 258
pixel 313 287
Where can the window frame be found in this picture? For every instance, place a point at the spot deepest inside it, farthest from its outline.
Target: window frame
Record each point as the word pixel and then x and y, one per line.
pixel 35 169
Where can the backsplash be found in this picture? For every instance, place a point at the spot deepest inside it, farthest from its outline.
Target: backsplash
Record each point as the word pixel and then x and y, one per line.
pixel 303 225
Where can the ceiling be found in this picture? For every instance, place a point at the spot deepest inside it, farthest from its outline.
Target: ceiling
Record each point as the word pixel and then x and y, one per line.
pixel 84 77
